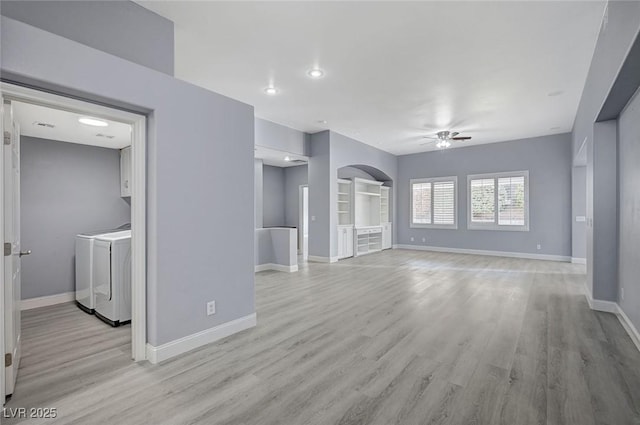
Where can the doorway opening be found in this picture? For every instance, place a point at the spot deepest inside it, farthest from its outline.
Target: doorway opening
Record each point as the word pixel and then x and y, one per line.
pixel 73 225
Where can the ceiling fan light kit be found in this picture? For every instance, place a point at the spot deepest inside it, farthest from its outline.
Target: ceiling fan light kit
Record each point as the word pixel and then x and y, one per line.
pixel 444 138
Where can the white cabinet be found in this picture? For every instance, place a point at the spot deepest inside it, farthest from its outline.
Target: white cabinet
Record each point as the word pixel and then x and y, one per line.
pixel 125 171
pixel 368 240
pixel 345 241
pixel 386 236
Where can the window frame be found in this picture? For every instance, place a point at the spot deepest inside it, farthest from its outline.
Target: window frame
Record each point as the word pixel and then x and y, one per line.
pixel 495 226
pixel 431 225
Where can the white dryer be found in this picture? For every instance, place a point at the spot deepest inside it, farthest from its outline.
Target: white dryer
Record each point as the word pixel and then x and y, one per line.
pixel 84 267
pixel 112 277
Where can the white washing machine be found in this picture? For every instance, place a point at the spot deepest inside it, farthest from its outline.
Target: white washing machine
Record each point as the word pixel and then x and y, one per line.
pixel 84 267
pixel 112 277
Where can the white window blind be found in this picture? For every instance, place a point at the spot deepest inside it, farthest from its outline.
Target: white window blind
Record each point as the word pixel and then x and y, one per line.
pixel 421 203
pixel 433 202
pixel 443 202
pixel 511 201
pixel 499 201
pixel 483 201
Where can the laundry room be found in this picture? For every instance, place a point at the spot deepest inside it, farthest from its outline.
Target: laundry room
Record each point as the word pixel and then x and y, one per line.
pixel 74 209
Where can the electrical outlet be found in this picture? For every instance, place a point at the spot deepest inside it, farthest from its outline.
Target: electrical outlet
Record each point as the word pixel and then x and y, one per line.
pixel 412 239
pixel 313 218
pixel 539 246
pixel 621 294
pixel 211 308
pixel 424 240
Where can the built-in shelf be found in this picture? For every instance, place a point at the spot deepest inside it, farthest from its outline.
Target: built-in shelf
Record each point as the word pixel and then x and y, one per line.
pixel 345 202
pixel 368 193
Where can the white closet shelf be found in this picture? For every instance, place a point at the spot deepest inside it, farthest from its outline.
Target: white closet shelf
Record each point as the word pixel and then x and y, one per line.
pixel 368 193
pixel 343 193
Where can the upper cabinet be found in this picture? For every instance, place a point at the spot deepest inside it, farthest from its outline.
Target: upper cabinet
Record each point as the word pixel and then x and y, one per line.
pixel 125 172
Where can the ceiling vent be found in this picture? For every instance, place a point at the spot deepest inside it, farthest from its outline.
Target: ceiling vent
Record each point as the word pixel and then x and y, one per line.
pixel 43 124
pixel 108 136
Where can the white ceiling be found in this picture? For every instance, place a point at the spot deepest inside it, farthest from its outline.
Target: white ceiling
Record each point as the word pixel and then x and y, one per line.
pixel 67 128
pixel 395 71
pixel 276 158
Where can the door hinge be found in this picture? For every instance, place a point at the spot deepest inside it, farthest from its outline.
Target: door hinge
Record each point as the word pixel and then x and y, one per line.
pixel 7 138
pixel 8 249
pixel 8 360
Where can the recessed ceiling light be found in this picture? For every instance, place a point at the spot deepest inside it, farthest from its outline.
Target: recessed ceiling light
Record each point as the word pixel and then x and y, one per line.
pixel 315 73
pixel 271 91
pixel 555 93
pixel 286 158
pixel 93 121
pixel 322 121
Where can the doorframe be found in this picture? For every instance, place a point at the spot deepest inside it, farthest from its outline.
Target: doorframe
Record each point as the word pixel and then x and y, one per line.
pixel 138 203
pixel 301 216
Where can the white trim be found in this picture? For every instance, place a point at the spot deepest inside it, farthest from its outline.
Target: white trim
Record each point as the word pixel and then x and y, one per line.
pixel 276 267
pixel 395 246
pixel 578 260
pixel 138 198
pixel 612 307
pixel 37 302
pixel 319 259
pixel 495 226
pixel 431 181
pixel 179 346
pixel 2 349
pixel 525 255
pixel 629 327
pixel 601 305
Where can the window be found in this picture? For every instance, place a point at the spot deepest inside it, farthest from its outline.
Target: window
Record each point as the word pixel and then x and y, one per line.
pixel 499 201
pixel 433 203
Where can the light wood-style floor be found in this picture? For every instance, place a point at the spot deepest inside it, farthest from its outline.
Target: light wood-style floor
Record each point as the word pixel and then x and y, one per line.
pixel 399 337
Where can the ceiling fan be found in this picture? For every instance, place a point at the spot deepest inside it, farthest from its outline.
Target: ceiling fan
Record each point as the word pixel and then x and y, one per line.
pixel 444 138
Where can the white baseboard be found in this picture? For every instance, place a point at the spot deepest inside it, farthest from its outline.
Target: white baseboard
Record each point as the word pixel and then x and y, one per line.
pixel 628 326
pixel 394 246
pixel 577 260
pixel 179 346
pixel 276 267
pixel 30 303
pixel 525 255
pixel 318 259
pixel 612 307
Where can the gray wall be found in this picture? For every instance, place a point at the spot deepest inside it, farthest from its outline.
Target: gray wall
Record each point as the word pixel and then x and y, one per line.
pixel 629 209
pixel 602 207
pixel 611 49
pixel 548 160
pixel 279 137
pixel 294 177
pixel 66 189
pixel 121 28
pixel 579 208
pixel 257 192
pixel 197 251
pixel 273 196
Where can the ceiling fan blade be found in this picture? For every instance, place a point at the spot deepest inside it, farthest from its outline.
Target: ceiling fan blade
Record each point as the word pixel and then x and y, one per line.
pixel 429 137
pixel 460 138
pixel 453 134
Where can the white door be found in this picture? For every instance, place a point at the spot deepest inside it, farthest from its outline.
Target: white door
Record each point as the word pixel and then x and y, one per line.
pixel 12 253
